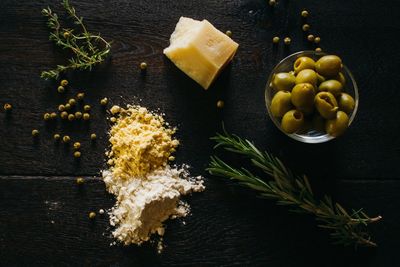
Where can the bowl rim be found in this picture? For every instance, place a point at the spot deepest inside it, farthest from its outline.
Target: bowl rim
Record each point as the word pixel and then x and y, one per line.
pixel 298 137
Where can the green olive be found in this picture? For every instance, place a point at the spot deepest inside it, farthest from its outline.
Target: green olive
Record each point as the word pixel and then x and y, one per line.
pixel 340 77
pixel 338 125
pixel 303 63
pixel 326 105
pixel 346 103
pixel 283 81
pixel 303 97
pixel 332 86
pixel 318 123
pixel 307 76
pixel 281 103
pixel 329 66
pixel 292 121
pixel 320 78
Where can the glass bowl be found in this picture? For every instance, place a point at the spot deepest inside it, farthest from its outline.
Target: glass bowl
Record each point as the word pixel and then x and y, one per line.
pixel 286 65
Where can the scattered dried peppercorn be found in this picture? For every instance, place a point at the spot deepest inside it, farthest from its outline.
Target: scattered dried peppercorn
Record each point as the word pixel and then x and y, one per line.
pixel 86 116
pixel 64 83
pixel 305 13
pixel 306 27
pixel 46 116
pixel 77 154
pixel 113 119
pixel 86 108
pixel 66 139
pixel 7 107
pixel 93 136
pixel 64 115
pixel 56 137
pixel 143 66
pixel 35 132
pixel 71 117
pixel 53 115
pixel 287 41
pixel 92 215
pixel 78 115
pixel 318 49
pixel 228 33
pixel 272 2
pixel 80 180
pixel 67 106
pixel 275 40
pixel 310 37
pixel 66 34
pixel 61 89
pixel 104 101
pixel 80 96
pixel 72 102
pixel 61 108
pixel 317 40
pixel 77 145
pixel 220 104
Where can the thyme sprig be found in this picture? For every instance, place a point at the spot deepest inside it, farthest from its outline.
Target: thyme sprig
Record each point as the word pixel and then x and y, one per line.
pixel 88 49
pixel 346 228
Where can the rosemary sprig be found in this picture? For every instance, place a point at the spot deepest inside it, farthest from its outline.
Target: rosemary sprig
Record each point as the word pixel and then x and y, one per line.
pixel 88 49
pixel 346 228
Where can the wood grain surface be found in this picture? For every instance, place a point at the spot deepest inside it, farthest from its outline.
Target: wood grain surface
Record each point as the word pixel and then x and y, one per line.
pixel 43 214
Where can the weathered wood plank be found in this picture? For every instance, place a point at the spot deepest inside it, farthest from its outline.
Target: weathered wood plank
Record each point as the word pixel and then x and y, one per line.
pixel 43 221
pixel 140 30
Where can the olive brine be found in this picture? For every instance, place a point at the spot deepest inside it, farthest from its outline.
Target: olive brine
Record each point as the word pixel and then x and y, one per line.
pixel 312 97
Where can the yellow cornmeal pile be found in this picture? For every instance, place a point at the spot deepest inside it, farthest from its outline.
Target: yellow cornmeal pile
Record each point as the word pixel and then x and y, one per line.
pixel 140 142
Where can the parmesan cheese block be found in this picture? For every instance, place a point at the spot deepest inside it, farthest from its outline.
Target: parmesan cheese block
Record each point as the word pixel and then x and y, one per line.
pixel 200 50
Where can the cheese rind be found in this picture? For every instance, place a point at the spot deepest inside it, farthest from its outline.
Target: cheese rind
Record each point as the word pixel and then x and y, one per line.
pixel 200 50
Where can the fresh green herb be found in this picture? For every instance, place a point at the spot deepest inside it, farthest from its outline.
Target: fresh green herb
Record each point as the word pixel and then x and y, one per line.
pixel 88 49
pixel 347 228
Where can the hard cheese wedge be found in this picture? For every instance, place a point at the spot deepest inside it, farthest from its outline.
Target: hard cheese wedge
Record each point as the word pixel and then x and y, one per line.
pixel 200 50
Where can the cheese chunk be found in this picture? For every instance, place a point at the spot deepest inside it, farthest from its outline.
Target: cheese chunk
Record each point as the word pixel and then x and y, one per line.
pixel 200 50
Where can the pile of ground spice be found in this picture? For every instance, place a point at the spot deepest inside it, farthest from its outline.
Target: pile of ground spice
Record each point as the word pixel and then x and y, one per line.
pixel 147 188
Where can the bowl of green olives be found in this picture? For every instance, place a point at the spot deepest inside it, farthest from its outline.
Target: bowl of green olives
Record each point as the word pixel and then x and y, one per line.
pixel 311 96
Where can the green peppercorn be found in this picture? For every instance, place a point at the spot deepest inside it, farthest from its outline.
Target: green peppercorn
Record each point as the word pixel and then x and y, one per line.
pixel 228 33
pixel 67 106
pixel 80 180
pixel 86 116
pixel 66 139
pixel 46 116
pixel 53 115
pixel 317 40
pixel 64 115
pixel 77 154
pixel 220 104
pixel 78 115
pixel 35 132
pixel 318 49
pixel 306 27
pixel 56 137
pixel 61 108
pixel 61 89
pixel 72 102
pixel 104 101
pixel 275 40
pixel 7 107
pixel 143 66
pixel 71 117
pixel 64 83
pixel 80 96
pixel 92 215
pixel 272 2
pixel 77 145
pixel 304 13
pixel 287 41
pixel 310 38
pixel 86 107
pixel 93 136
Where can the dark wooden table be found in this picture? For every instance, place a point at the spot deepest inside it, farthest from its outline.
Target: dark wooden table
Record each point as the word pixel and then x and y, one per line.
pixel 43 213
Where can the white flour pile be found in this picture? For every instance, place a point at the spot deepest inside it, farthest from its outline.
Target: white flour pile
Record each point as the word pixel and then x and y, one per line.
pixel 147 188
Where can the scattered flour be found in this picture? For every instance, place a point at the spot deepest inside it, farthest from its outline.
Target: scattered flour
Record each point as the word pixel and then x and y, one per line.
pixel 146 187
